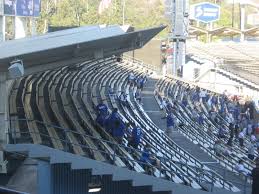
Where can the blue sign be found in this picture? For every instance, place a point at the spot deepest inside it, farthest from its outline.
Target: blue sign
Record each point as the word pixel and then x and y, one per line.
pixel 23 8
pixel 206 12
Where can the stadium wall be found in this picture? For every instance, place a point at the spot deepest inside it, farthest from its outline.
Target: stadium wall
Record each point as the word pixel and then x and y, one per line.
pixel 150 53
pixel 220 83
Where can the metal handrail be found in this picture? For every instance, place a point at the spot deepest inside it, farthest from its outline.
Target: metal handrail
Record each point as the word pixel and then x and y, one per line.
pixel 213 174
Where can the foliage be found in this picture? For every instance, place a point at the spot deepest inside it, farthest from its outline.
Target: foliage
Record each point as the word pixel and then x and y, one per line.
pixel 138 13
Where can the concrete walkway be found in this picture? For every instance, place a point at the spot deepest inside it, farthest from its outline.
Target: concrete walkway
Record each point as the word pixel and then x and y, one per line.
pixel 153 110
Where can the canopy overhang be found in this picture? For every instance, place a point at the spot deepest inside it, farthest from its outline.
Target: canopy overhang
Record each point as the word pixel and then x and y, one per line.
pixel 69 47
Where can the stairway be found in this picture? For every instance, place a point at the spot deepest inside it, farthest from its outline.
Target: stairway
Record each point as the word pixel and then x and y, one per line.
pixel 77 164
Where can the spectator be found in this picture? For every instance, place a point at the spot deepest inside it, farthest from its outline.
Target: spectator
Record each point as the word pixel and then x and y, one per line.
pixel 241 137
pixel 102 109
pixel 110 121
pixel 231 130
pixel 230 118
pixel 170 123
pixel 210 130
pixel 123 99
pixel 241 169
pixel 136 136
pixel 138 96
pixel 149 160
pixel 200 119
pixel 227 151
pixel 218 148
pixel 163 104
pixel 140 83
pixel 118 130
pixel 111 92
pixel 184 101
pixel 131 78
pixel 236 130
pixel 251 150
pixel 222 132
pixel 101 119
pixel 255 176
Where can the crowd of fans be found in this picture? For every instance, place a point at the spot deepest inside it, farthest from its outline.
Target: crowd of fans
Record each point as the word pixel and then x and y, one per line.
pixel 234 121
pixel 114 125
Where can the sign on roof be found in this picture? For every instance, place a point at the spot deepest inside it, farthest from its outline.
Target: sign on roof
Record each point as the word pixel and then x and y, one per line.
pixel 205 12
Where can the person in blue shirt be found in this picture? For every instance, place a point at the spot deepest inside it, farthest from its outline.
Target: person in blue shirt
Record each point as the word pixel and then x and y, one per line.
pixel 136 136
pixel 118 130
pixel 109 122
pixel 170 124
pixel 101 119
pixel 200 119
pixel 222 132
pixel 102 109
pixel 148 160
pixel 184 102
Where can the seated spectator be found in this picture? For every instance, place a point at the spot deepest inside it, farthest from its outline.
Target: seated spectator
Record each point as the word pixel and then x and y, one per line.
pixel 251 150
pixel 148 160
pixel 241 169
pixel 169 106
pixel 163 104
pixel 109 122
pixel 241 137
pixel 102 108
pixel 209 129
pixel 227 151
pixel 111 93
pixel 136 136
pixel 218 148
pixel 222 132
pixel 123 99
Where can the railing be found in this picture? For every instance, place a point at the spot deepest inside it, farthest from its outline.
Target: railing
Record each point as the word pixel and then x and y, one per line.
pixel 201 174
pixel 141 63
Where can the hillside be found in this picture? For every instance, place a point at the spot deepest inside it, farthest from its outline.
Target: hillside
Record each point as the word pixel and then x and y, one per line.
pixel 139 13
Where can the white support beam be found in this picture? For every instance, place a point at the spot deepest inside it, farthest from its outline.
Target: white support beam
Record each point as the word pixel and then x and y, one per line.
pixel 242 23
pixel 2 28
pixel 180 22
pixel 4 86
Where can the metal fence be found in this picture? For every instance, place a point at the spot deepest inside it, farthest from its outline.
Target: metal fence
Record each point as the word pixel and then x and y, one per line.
pixel 203 175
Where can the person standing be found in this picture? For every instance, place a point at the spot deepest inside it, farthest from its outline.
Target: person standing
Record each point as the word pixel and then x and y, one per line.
pixel 255 176
pixel 170 123
pixel 136 136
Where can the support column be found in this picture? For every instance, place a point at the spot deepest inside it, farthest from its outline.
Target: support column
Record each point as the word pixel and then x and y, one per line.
pixel 180 20
pixel 2 28
pixel 33 27
pixel 242 23
pixel 20 27
pixel 43 176
pixel 3 108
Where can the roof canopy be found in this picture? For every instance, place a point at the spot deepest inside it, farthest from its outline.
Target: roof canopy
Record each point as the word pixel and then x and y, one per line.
pixel 72 46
